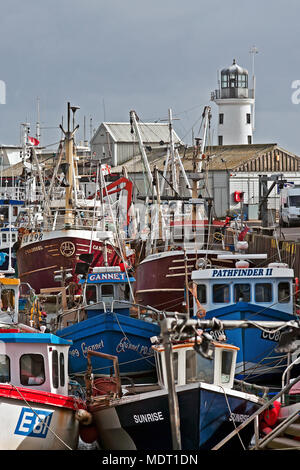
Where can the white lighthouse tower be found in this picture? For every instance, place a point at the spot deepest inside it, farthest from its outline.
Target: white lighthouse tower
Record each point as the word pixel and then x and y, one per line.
pixel 235 107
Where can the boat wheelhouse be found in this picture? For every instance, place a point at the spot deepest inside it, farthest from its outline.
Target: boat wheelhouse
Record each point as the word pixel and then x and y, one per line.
pixel 105 322
pixel 254 294
pixel 140 419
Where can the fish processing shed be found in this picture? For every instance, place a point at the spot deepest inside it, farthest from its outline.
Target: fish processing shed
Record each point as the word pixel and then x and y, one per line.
pixel 230 168
pixel 114 143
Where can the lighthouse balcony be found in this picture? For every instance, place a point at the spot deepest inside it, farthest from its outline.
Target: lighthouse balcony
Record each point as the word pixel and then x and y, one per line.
pixel 238 93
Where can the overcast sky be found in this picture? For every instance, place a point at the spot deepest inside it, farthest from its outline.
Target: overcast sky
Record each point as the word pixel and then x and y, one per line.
pixel 109 57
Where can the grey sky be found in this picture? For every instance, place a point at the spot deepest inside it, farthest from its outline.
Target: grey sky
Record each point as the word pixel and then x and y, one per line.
pixel 112 56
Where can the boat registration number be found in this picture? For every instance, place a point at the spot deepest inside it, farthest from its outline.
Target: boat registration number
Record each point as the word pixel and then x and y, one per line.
pixel 271 336
pixel 218 335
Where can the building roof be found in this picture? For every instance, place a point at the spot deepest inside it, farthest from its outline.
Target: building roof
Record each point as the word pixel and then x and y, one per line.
pixel 246 158
pixel 150 132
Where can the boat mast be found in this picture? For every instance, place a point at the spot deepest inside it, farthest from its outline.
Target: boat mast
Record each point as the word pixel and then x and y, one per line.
pixel 69 149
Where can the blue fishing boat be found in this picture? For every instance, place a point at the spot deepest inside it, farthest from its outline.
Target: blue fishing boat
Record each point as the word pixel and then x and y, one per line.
pixel 254 294
pixel 107 325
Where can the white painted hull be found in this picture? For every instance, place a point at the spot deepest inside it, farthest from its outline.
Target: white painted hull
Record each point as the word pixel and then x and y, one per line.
pixel 21 428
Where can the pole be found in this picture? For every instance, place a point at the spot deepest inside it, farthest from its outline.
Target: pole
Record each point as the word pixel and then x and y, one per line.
pixel 172 395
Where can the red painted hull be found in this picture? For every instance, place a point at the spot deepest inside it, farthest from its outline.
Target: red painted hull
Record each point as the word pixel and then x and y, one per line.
pixel 160 281
pixel 37 261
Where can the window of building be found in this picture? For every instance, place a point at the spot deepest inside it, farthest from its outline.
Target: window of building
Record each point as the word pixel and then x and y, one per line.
pixel 248 118
pixel 4 368
pixel 224 80
pixel 242 292
pixel 201 293
pixel 15 211
pixel 221 293
pixel 220 140
pixel 284 292
pixel 32 369
pixel 221 118
pixel 263 292
pixel 55 368
pixel 249 139
pixel 243 81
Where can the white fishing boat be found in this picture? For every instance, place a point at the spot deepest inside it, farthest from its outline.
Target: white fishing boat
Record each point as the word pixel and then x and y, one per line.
pixel 37 408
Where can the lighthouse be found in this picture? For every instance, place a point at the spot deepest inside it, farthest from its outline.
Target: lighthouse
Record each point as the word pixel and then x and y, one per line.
pixel 235 103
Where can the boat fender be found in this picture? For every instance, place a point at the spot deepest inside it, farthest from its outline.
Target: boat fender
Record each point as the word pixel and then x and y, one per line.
pixel 269 417
pixel 84 417
pixel 88 434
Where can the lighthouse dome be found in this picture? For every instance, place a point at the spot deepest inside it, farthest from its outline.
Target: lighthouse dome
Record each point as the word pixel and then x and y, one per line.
pixel 234 69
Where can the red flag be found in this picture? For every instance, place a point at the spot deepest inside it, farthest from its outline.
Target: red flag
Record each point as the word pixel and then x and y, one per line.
pixel 33 141
pixel 243 234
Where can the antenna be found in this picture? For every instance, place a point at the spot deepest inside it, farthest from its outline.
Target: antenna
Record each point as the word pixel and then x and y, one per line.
pixel 253 51
pixel 38 129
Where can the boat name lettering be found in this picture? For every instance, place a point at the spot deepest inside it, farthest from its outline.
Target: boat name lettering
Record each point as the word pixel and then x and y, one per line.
pixel 107 277
pixel 33 423
pixel 242 272
pixel 32 250
pixel 74 352
pixel 238 418
pixel 125 345
pixel 92 347
pixel 149 417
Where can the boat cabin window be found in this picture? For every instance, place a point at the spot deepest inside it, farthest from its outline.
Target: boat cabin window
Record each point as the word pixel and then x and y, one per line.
pixel 91 294
pixel 221 293
pixel 7 299
pixel 283 292
pixel 4 368
pixel 226 366
pixel 201 293
pixel 32 369
pixel 175 366
pixel 4 237
pixel 263 292
pixel 62 369
pixel 107 290
pixel 242 292
pixel 55 368
pixel 199 368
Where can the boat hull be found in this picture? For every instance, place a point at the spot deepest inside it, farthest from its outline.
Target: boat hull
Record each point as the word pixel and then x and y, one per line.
pixel 41 256
pixel 160 279
pixel 115 334
pixel 32 420
pixel 257 359
pixel 143 422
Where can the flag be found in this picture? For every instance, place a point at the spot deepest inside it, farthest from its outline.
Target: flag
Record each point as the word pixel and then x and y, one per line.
pixel 243 233
pixel 106 169
pixel 33 141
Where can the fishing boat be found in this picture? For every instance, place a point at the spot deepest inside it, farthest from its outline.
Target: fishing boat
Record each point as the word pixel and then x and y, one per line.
pixel 38 409
pixel 192 407
pixel 254 294
pixel 106 321
pixel 73 220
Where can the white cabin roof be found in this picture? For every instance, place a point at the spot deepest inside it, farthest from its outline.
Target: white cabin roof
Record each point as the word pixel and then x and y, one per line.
pixel 243 273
